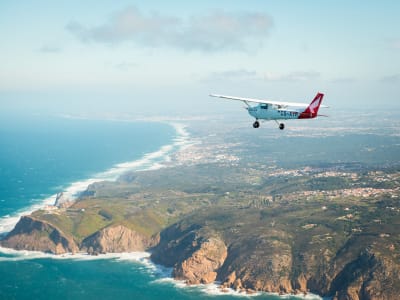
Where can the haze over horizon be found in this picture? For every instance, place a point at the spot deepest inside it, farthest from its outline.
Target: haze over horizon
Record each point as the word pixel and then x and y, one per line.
pixel 166 57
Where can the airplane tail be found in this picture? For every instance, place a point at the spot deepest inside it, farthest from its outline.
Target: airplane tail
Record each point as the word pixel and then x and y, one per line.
pixel 312 110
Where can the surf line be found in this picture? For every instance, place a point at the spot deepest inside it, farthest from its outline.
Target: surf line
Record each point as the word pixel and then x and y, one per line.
pixel 149 161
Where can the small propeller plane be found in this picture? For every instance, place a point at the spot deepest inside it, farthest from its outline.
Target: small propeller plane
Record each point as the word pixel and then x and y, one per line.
pixel 277 110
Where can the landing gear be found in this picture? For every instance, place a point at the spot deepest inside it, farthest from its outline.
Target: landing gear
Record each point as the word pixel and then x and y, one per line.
pixel 281 125
pixel 256 124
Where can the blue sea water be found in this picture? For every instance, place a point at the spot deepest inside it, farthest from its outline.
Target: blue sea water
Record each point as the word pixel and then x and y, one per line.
pixel 40 156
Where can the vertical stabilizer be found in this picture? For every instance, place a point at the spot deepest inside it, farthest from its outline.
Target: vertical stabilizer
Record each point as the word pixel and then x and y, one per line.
pixel 312 110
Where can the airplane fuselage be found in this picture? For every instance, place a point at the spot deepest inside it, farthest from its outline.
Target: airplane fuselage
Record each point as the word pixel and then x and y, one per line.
pixel 272 112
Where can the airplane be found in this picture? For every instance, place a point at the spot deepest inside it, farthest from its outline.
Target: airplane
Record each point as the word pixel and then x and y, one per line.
pixel 277 110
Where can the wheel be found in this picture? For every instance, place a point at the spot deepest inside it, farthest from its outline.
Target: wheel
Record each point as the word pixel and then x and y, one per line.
pixel 256 124
pixel 281 126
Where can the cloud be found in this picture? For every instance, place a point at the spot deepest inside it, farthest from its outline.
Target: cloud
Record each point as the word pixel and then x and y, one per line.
pixel 293 76
pixel 213 32
pixel 128 24
pixel 49 49
pixel 246 75
pixel 221 31
pixel 391 78
pixel 233 75
pixel 243 75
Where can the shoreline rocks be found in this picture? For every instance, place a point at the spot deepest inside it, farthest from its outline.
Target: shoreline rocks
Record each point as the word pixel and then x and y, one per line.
pixel 115 239
pixel 200 255
pixel 62 201
pixel 203 264
pixel 37 235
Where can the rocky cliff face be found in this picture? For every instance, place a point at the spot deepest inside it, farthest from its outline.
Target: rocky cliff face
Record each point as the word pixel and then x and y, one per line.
pixel 269 258
pixel 258 264
pixel 62 201
pixel 36 235
pixel 271 263
pixel 196 255
pixel 369 276
pixel 203 264
pixel 116 239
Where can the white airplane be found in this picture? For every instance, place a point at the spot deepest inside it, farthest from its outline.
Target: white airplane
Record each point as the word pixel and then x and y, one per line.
pixel 277 110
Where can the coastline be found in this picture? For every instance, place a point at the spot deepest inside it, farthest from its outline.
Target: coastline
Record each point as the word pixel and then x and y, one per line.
pixel 165 156
pixel 149 161
pixel 162 275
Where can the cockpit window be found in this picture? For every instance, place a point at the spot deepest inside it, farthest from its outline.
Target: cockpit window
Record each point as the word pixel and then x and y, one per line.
pixel 264 106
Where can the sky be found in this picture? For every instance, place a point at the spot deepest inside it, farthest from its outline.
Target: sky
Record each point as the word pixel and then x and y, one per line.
pixel 166 57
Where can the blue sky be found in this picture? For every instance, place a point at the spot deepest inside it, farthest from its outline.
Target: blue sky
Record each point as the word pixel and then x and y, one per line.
pixel 154 56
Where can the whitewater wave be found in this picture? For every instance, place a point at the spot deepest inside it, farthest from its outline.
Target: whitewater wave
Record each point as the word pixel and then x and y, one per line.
pixel 214 289
pixel 150 161
pixel 8 254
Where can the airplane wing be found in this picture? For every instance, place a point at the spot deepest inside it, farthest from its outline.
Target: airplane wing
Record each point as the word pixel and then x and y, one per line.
pixel 264 101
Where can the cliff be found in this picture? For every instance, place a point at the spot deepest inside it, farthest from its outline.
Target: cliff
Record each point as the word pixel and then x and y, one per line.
pixel 235 233
pixel 368 276
pixel 196 255
pixel 62 201
pixel 115 239
pixel 203 264
pixel 278 259
pixel 37 235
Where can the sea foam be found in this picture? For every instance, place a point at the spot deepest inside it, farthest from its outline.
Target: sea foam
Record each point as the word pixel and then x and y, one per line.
pixel 214 289
pixel 8 254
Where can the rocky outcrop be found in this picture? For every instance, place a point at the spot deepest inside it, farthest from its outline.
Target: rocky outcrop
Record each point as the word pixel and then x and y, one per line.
pixel 203 264
pixel 367 277
pixel 37 235
pixel 362 266
pixel 195 254
pixel 118 238
pixel 62 201
pixel 199 255
pixel 177 243
pixel 258 264
pixel 272 263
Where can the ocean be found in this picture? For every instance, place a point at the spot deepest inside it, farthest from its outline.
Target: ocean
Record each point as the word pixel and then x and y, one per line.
pixel 41 156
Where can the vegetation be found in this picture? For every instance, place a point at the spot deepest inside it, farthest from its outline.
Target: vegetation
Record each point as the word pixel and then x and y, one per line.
pixel 321 215
pixel 226 201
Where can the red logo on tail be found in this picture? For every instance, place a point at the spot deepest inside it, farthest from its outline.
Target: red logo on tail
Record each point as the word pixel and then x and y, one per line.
pixel 312 110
